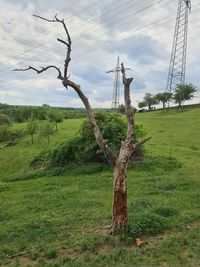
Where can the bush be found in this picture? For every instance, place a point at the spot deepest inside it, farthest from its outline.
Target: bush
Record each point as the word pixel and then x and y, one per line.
pixel 146 224
pixel 83 147
pixel 9 134
pixel 4 133
pixel 5 120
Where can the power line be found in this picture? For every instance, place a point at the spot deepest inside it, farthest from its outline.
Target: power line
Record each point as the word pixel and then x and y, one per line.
pixel 75 39
pixel 12 82
pixel 80 24
pixel 51 27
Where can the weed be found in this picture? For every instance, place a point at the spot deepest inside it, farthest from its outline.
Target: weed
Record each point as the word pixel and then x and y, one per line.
pixel 165 211
pixel 147 224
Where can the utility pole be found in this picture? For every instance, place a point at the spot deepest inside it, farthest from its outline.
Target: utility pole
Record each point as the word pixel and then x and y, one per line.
pixel 116 85
pixel 176 74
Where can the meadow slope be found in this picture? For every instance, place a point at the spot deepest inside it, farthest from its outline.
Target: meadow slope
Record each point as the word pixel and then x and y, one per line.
pixel 57 217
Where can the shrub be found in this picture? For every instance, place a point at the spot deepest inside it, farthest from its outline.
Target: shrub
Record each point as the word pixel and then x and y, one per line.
pixel 83 147
pixel 145 224
pixel 9 134
pixel 4 133
pixel 5 120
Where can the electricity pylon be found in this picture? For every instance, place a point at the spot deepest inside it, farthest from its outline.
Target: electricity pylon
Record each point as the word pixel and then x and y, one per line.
pixel 177 65
pixel 116 87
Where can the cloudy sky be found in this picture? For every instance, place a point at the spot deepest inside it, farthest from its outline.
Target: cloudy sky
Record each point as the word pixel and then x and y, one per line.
pixel 140 32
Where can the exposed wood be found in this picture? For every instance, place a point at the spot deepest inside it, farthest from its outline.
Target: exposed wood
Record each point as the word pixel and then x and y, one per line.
pixel 17 254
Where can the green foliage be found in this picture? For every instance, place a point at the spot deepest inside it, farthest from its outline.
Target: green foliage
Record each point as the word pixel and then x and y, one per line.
pixel 9 133
pixel 183 93
pixel 50 253
pixel 32 127
pixel 74 113
pixel 55 117
pixel 46 129
pixel 165 211
pixel 142 104
pixel 84 147
pixel 149 101
pixel 4 133
pixel 122 109
pixel 140 204
pixel 147 224
pixel 67 208
pixel 5 120
pixel 163 98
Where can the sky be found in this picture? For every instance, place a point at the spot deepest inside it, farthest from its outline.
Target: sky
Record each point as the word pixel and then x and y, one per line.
pixel 140 32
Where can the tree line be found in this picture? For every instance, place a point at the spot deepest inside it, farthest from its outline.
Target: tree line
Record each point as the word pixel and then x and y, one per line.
pixel 45 127
pixel 22 114
pixel 182 93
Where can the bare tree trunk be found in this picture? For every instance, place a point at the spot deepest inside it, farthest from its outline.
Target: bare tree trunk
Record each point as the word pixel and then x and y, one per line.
pixel 120 205
pixel 163 105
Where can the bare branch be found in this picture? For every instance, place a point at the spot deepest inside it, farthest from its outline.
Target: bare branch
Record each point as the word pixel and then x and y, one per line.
pixel 17 254
pixel 143 141
pixel 49 20
pixel 42 70
pixel 109 154
pixel 68 43
pixel 62 41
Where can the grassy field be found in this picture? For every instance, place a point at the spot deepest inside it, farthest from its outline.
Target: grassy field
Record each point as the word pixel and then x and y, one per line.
pixel 57 217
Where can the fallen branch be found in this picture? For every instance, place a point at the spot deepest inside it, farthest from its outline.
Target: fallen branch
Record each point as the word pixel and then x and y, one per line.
pixel 17 254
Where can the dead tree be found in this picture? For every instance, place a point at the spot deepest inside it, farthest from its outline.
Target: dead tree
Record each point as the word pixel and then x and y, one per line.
pixel 120 160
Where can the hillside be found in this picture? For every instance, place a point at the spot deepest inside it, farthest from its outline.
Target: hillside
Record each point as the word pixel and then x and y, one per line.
pixel 58 216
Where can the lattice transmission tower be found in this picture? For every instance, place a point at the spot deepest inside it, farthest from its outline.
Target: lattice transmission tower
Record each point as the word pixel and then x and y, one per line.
pixel 116 85
pixel 177 65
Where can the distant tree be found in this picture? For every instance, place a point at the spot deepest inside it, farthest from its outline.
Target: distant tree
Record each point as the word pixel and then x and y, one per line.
pixel 3 106
pixel 122 109
pixel 164 98
pixel 32 127
pixel 183 93
pixel 39 113
pixel 5 120
pixel 149 101
pixel 55 117
pixel 46 129
pixel 142 104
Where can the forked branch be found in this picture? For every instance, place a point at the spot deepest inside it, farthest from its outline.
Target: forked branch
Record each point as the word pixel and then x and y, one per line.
pixel 68 43
pixel 130 111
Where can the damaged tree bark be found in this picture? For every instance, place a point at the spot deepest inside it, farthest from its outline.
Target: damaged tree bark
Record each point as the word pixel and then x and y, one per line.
pixel 120 160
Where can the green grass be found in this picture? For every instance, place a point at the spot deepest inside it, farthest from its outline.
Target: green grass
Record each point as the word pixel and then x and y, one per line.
pixel 57 215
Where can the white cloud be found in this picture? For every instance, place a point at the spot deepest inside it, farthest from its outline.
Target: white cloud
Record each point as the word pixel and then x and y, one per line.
pixel 100 31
